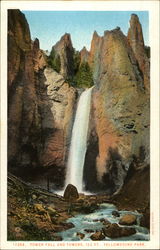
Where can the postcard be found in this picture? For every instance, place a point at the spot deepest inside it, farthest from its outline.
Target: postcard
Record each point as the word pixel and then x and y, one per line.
pixel 79 125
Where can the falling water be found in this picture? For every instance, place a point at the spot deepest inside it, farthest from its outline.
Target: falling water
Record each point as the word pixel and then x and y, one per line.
pixel 79 141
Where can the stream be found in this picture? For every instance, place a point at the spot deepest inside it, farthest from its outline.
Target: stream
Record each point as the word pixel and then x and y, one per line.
pixel 91 221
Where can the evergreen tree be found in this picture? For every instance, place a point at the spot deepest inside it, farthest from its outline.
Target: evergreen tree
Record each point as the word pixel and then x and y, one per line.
pixel 84 76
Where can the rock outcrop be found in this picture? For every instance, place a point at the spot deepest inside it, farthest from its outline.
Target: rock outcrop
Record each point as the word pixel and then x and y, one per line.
pixel 40 103
pixel 57 112
pixel 120 112
pixel 97 236
pixel 128 219
pixel 84 55
pixel 23 117
pixel 94 55
pixel 115 231
pixel 135 38
pixel 64 49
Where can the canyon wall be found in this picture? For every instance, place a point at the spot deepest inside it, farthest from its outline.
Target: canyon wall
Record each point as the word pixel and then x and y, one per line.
pixel 40 106
pixel 119 124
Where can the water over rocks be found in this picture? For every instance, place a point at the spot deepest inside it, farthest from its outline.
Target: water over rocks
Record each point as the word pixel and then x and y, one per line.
pixel 53 219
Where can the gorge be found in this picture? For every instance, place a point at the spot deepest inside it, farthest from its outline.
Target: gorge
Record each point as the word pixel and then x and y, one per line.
pixel 81 118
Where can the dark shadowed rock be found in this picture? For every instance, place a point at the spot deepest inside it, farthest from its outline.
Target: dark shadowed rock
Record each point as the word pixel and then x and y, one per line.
pixel 71 193
pixel 89 230
pixel 128 219
pixel 80 235
pixel 65 50
pixel 145 219
pixel 97 236
pixel 89 207
pixel 104 221
pixel 115 213
pixel 115 231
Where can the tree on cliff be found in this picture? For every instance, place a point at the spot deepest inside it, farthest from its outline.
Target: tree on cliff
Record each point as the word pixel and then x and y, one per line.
pixel 84 77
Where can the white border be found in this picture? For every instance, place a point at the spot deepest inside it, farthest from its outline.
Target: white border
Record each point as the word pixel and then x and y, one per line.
pixel 153 8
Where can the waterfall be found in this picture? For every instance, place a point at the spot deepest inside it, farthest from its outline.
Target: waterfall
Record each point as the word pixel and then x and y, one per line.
pixel 78 145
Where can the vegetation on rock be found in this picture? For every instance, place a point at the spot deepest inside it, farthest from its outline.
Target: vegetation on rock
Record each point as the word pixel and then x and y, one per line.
pixel 84 77
pixel 82 72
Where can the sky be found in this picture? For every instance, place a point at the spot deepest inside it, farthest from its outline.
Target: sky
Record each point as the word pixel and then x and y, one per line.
pixel 49 26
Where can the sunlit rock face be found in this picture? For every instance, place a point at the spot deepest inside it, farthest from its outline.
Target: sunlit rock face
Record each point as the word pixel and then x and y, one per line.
pixel 120 112
pixel 57 119
pixel 84 55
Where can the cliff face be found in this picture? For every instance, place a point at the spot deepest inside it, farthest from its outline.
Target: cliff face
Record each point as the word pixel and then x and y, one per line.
pixel 64 49
pixel 40 105
pixel 136 41
pixel 120 111
pixel 57 119
pixel 84 55
pixel 22 98
pixel 94 55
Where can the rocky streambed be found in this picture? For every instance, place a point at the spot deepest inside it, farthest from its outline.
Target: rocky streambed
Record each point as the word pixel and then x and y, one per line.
pixel 35 214
pixel 106 223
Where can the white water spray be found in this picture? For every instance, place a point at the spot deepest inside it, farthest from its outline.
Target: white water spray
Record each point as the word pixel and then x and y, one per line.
pixel 79 141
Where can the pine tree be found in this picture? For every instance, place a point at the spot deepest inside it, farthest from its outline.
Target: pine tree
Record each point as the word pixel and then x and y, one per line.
pixel 84 76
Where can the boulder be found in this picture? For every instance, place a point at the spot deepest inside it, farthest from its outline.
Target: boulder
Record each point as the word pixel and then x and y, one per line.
pixel 88 207
pixel 115 231
pixel 105 222
pixel 89 230
pixel 115 213
pixel 71 193
pixel 80 235
pixel 125 231
pixel 112 231
pixel 97 236
pixel 128 219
